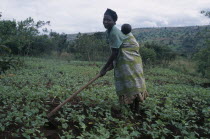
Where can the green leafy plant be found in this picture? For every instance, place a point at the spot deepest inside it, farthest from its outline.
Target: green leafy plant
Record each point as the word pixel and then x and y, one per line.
pixel 178 106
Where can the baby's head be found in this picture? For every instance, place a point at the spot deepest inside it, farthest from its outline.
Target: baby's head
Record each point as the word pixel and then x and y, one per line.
pixel 126 28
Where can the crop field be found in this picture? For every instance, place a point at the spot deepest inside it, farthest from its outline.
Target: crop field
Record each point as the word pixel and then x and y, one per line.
pixel 178 105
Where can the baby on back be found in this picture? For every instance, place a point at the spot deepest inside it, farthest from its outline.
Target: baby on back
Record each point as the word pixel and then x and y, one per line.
pixel 126 29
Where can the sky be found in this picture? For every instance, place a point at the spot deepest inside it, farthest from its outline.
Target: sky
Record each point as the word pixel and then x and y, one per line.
pixel 73 16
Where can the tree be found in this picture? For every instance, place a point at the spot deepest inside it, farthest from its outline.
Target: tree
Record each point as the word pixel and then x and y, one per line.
pixel 41 44
pixel 8 33
pixel 60 42
pixel 206 13
pixel 6 60
pixel 203 61
pixel 163 54
pixel 203 56
pixel 4 50
pixel 90 47
pixel 148 55
pixel 26 31
pixel 19 36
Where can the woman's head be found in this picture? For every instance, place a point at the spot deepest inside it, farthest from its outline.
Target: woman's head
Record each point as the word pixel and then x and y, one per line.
pixel 110 18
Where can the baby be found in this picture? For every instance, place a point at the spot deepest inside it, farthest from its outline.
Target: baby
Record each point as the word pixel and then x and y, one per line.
pixel 126 28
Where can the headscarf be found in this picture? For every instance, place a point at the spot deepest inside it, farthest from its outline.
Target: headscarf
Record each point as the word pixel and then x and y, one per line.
pixel 111 13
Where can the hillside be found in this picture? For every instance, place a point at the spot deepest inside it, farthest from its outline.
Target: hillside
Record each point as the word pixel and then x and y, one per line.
pixel 182 39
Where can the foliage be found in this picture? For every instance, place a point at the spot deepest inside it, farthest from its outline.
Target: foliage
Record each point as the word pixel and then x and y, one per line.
pixel 41 44
pixel 185 65
pixel 59 41
pixel 91 47
pixel 184 40
pixel 7 61
pixel 7 33
pixel 148 55
pixel 20 36
pixel 24 38
pixel 203 60
pixel 177 108
pixel 157 54
pixel 4 50
pixel 206 13
pixel 203 55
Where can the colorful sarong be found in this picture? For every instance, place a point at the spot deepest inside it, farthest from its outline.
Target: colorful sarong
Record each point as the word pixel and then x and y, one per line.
pixel 128 70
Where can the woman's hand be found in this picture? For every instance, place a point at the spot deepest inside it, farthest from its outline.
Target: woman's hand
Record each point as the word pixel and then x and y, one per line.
pixel 103 72
pixel 107 67
pixel 110 67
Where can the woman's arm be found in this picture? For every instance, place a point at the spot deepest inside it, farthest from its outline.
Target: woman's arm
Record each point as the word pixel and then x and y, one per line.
pixel 109 63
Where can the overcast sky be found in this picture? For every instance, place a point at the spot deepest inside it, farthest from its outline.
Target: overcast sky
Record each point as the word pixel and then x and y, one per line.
pixel 73 16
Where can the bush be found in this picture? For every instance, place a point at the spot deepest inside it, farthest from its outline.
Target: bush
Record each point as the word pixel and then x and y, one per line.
pixel 203 61
pixel 4 50
pixel 148 55
pixel 7 61
pixel 157 54
pixel 89 47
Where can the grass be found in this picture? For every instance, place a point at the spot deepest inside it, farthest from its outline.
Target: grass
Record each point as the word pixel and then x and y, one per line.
pixel 184 65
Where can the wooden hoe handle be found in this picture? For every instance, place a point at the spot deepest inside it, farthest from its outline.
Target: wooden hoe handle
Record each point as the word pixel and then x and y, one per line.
pixel 72 96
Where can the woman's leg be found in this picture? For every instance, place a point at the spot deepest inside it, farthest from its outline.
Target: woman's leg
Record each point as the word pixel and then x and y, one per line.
pixel 135 105
pixel 132 105
pixel 136 101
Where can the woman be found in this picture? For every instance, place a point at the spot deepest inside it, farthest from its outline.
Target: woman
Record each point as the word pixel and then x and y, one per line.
pixel 127 63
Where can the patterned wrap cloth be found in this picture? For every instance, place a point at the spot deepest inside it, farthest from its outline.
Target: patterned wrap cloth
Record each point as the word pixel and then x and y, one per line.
pixel 128 70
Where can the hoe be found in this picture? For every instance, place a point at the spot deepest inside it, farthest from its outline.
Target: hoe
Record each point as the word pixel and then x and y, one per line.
pixel 72 96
